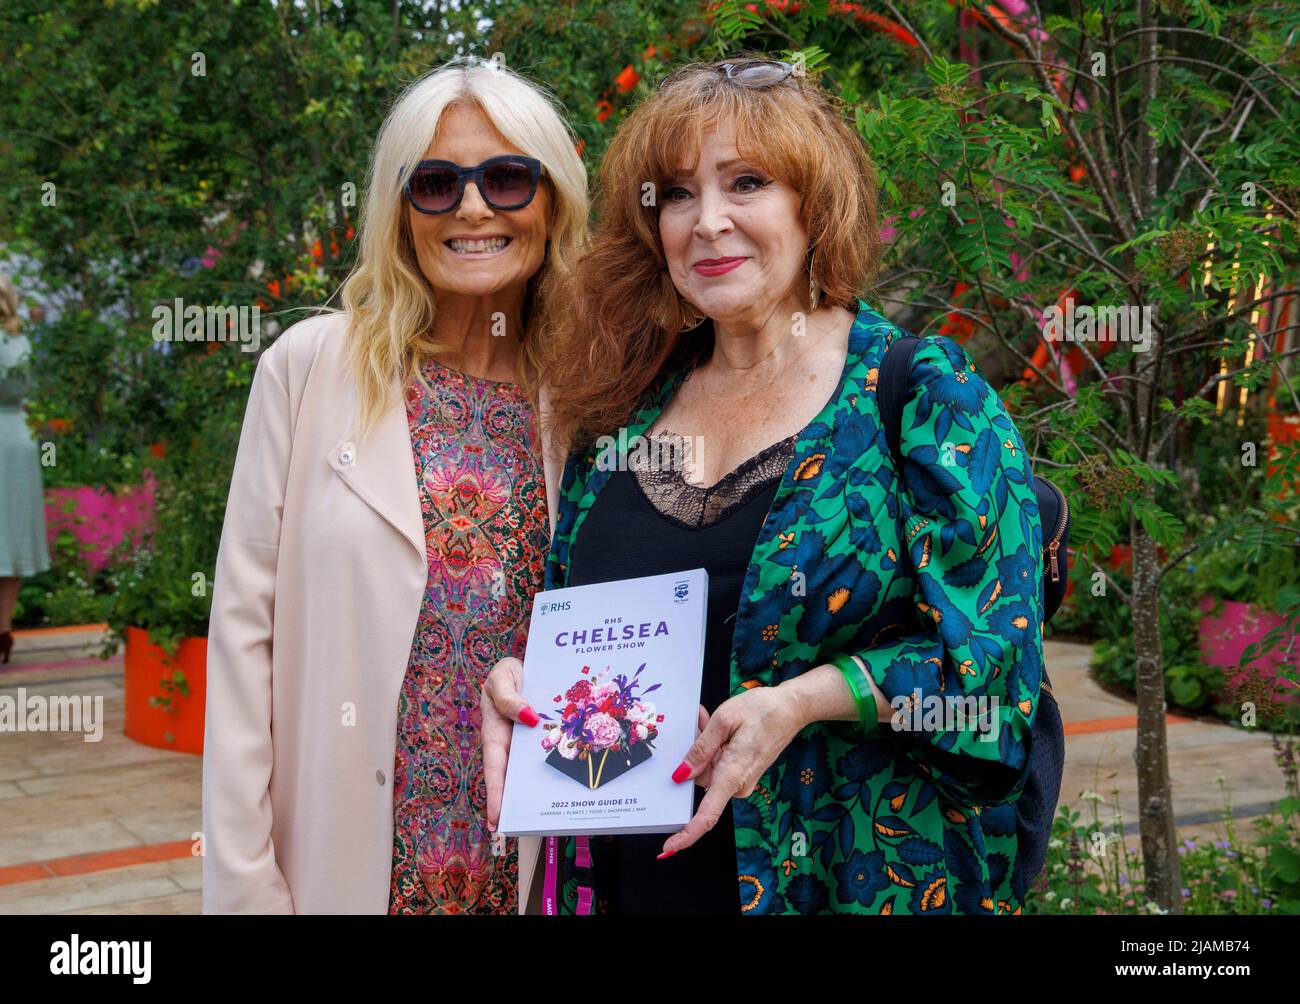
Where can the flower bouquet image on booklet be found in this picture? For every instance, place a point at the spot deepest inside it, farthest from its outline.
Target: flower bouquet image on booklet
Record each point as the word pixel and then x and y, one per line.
pixel 613 670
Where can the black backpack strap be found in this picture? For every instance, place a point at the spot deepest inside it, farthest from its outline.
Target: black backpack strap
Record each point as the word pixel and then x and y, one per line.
pixel 892 389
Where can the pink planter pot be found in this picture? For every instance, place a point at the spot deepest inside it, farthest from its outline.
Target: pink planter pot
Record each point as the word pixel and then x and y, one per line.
pixel 99 519
pixel 1223 641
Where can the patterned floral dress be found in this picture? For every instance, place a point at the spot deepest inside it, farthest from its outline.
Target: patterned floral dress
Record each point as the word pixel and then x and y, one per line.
pixel 478 466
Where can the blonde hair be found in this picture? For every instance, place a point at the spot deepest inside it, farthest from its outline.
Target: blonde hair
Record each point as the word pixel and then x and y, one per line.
pixel 9 319
pixel 388 300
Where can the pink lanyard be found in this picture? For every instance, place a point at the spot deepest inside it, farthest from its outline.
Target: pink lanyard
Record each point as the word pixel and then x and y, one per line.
pixel 548 887
pixel 583 860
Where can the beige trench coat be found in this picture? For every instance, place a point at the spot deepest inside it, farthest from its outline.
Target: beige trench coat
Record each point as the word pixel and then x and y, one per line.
pixel 320 576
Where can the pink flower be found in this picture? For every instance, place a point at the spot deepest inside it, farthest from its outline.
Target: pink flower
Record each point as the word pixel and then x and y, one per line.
pixel 605 731
pixel 604 690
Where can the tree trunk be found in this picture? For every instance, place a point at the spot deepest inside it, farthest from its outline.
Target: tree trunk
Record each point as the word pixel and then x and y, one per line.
pixel 1155 806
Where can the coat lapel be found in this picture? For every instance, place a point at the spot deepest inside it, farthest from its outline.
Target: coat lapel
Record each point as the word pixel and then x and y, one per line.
pixel 381 470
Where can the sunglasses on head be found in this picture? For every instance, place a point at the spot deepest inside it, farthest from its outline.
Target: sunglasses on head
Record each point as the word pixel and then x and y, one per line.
pixel 754 74
pixel 505 183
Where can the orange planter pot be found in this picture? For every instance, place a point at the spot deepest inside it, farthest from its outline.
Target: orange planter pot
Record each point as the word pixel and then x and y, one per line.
pixel 180 726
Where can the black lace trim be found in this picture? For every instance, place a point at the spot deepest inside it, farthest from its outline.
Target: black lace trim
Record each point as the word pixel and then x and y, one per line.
pixel 665 487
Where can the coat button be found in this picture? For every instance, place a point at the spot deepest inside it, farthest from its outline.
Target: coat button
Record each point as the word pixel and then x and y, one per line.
pixel 379 776
pixel 347 454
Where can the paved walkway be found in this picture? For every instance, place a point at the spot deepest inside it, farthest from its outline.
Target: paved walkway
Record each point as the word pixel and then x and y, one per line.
pixel 107 827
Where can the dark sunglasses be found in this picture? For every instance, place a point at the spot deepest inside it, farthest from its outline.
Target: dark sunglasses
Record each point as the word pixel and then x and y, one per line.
pixel 755 74
pixel 508 182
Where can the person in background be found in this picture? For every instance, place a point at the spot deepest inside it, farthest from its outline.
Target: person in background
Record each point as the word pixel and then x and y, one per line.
pixel 23 550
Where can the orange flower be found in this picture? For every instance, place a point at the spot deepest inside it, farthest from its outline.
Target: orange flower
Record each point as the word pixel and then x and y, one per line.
pixel 627 79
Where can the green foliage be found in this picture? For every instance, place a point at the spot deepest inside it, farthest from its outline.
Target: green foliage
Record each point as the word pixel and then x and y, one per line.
pixel 1176 189
pixel 166 587
pixel 1189 682
pixel 578 51
pixel 1242 562
pixel 66 593
pixel 1248 569
pixel 732 20
pixel 96 404
pixel 1281 847
pixel 1092 869
pixel 174 686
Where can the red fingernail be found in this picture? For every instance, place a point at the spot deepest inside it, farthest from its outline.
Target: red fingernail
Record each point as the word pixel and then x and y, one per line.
pixel 682 772
pixel 665 854
pixel 528 716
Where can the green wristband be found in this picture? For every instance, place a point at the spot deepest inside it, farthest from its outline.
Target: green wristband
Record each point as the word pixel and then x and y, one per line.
pixel 861 690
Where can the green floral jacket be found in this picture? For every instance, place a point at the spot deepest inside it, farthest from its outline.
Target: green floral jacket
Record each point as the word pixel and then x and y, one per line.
pixel 888 820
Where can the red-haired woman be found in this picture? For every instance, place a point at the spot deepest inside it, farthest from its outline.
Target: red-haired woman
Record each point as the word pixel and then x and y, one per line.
pixel 840 586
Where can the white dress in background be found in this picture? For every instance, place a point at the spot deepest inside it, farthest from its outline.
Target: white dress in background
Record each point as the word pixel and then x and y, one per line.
pixel 23 550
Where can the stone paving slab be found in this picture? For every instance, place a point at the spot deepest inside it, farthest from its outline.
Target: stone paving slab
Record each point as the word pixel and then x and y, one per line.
pixel 79 821
pixel 1199 750
pixel 144 888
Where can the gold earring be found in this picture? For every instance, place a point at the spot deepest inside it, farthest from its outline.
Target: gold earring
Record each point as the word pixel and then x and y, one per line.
pixel 814 294
pixel 697 317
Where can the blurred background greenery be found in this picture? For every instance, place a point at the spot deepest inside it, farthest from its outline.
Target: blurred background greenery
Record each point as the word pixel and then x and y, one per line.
pixel 1132 153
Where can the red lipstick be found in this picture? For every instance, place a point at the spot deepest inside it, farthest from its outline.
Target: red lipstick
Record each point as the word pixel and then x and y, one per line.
pixel 718 266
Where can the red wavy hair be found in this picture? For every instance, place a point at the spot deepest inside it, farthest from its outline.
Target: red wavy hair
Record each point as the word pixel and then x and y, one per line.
pixel 623 327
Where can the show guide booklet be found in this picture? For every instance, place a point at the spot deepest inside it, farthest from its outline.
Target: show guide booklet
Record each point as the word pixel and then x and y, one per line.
pixel 613 669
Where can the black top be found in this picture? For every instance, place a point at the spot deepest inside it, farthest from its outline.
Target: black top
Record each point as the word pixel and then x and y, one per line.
pixel 628 536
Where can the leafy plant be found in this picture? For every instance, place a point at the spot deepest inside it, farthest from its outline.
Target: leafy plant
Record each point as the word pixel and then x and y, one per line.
pixel 166 587
pixel 1092 869
pixel 1189 682
pixel 66 593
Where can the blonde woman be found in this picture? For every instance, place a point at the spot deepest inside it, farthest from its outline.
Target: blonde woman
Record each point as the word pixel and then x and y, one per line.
pixel 387 526
pixel 22 509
